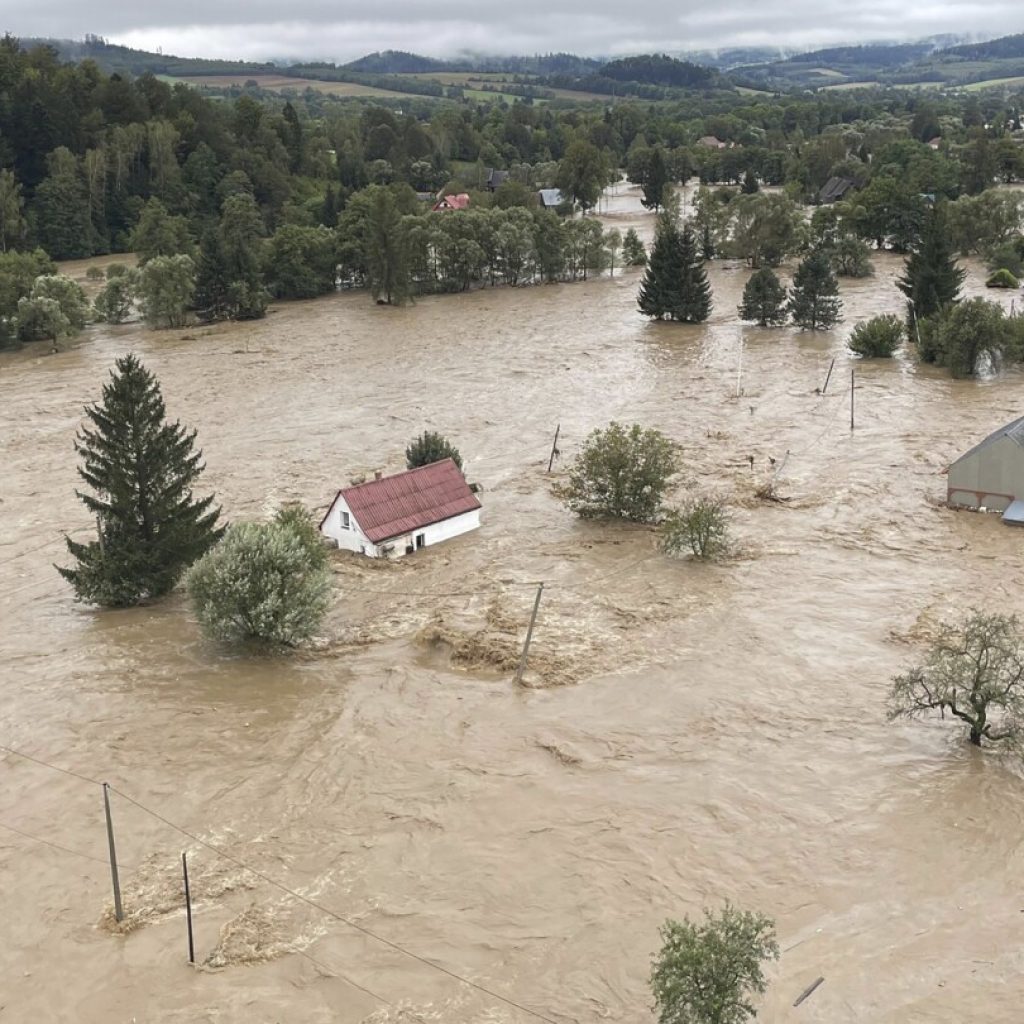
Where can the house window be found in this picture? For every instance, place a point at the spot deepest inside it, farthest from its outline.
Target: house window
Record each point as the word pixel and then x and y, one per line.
pixel 346 521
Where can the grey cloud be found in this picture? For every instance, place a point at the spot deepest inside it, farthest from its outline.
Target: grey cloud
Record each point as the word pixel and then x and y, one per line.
pixel 327 29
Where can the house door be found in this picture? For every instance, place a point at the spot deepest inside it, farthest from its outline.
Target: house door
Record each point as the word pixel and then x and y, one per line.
pixel 421 539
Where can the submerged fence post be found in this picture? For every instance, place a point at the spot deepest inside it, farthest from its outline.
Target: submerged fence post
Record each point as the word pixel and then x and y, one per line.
pixel 853 384
pixel 118 911
pixel 188 909
pixel 554 447
pixel 521 668
pixel 828 376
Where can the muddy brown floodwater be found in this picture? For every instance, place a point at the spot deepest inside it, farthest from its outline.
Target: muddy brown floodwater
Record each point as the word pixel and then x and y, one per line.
pixel 690 733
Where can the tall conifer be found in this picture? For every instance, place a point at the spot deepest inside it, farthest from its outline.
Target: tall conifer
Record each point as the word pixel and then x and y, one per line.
pixel 141 470
pixel 931 277
pixel 675 286
pixel 814 300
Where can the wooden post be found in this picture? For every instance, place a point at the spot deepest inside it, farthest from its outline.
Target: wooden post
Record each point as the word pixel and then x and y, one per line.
pixel 739 370
pixel 853 384
pixel 828 376
pixel 521 668
pixel 118 911
pixel 554 447
pixel 807 991
pixel 188 910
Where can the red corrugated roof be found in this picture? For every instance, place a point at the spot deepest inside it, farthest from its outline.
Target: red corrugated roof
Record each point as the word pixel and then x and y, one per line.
pixel 409 501
pixel 456 202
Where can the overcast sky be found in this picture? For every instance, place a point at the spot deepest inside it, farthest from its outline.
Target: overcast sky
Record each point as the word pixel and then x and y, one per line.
pixel 342 29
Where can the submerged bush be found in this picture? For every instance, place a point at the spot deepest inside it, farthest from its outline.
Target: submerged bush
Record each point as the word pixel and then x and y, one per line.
pixel 430 447
pixel 702 525
pixel 621 472
pixel 877 338
pixel 1002 278
pixel 262 583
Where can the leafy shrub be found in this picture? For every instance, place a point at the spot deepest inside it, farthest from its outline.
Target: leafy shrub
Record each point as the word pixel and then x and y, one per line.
pixel 706 971
pixel 1002 278
pixel 702 525
pixel 621 472
pixel 261 584
pixel 94 274
pixel 877 338
pixel 113 304
pixel 430 447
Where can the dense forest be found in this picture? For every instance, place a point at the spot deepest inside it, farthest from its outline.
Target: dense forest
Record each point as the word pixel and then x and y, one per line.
pixel 229 201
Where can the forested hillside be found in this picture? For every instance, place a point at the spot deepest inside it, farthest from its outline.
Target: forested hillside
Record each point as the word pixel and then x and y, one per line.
pixel 231 201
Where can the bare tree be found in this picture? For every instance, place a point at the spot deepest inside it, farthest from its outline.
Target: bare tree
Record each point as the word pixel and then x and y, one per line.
pixel 975 671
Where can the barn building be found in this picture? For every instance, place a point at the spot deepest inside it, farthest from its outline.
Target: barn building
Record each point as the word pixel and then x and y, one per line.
pixel 397 515
pixel 991 474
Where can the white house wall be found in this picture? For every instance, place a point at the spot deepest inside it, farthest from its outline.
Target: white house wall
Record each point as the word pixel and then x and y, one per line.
pixel 435 533
pixel 353 538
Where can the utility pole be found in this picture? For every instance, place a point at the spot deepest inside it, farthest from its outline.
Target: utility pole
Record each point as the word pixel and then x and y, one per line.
pixel 853 384
pixel 554 447
pixel 188 910
pixel 118 911
pixel 521 668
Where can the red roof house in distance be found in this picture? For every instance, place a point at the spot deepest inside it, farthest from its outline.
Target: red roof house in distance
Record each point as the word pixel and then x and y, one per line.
pixel 397 515
pixel 459 202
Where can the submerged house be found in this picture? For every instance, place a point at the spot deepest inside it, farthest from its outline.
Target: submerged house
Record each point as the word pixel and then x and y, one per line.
pixel 991 474
pixel 835 189
pixel 456 202
pixel 396 515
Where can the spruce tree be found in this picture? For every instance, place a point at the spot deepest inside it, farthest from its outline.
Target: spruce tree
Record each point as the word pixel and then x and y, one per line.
pixel 655 181
pixel 931 277
pixel 764 299
pixel 707 243
pixel 633 252
pixel 675 286
pixel 750 185
pixel 141 470
pixel 212 300
pixel 814 300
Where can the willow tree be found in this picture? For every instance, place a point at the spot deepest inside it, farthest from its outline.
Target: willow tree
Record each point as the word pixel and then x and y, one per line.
pixel 140 470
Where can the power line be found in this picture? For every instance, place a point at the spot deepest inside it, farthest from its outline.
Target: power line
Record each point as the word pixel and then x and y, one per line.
pixel 53 845
pixel 53 767
pixel 333 914
pixel 285 889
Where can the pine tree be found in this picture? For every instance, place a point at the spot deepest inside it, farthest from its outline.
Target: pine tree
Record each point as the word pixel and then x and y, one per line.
pixel 750 185
pixel 212 299
pixel 931 277
pixel 655 181
pixel 675 286
pixel 764 299
pixel 633 252
pixel 141 470
pixel 814 300
pixel 707 243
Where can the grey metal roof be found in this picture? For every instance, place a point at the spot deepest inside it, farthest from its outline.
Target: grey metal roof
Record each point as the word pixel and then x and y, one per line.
pixel 1013 430
pixel 1014 513
pixel 550 197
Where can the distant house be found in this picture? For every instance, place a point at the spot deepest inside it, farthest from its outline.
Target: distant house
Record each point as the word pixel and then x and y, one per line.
pixel 494 179
pixel 458 202
pixel 396 515
pixel 426 197
pixel 835 189
pixel 550 198
pixel 991 474
pixel 711 142
pixel 936 142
